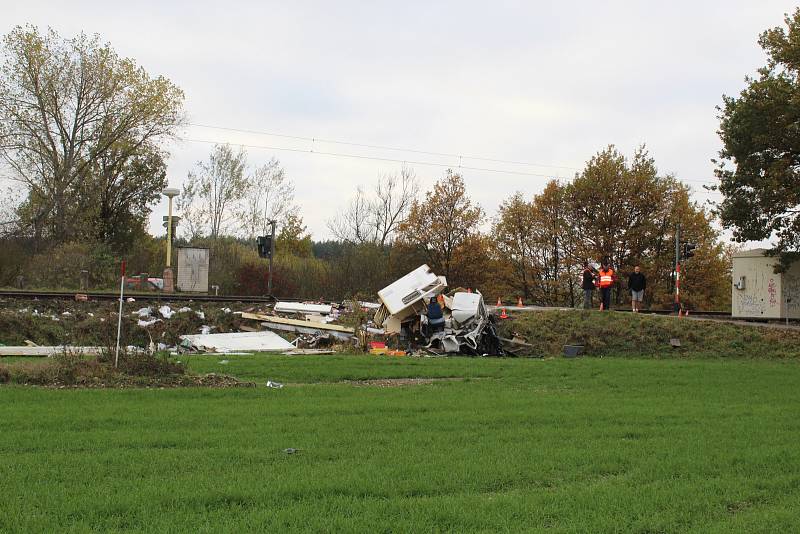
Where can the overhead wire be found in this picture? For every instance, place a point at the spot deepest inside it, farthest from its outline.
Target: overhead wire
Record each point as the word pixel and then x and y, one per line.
pixel 383 147
pixel 453 165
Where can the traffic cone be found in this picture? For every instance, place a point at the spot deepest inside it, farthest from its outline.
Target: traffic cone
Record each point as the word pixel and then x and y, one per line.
pixel 519 303
pixel 499 302
pixel 503 314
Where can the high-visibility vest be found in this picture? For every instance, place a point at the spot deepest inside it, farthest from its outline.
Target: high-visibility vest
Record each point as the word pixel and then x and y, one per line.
pixel 606 278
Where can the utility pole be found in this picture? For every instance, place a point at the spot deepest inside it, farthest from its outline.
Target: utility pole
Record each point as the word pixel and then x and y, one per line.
pixel 678 269
pixel 271 255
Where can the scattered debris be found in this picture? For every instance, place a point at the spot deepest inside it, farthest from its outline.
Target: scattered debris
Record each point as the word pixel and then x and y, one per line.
pixel 166 312
pixel 308 352
pixel 274 385
pixel 36 350
pixel 301 307
pixel 150 322
pixel 675 343
pixel 304 327
pixel 573 351
pixel 291 450
pixel 263 341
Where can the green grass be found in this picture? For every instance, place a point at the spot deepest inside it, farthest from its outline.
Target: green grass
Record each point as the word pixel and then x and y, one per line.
pixel 588 445
pixel 638 335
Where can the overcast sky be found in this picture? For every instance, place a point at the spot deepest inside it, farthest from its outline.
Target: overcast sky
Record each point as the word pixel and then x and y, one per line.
pixel 549 83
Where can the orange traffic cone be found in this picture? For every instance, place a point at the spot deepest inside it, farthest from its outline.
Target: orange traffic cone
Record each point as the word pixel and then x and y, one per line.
pixel 519 303
pixel 503 314
pixel 499 302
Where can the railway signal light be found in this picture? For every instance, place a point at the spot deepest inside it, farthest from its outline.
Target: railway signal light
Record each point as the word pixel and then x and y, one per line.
pixel 688 249
pixel 264 243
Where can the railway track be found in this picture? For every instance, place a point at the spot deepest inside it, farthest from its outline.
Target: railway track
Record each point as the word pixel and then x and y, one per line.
pixel 171 297
pixel 183 297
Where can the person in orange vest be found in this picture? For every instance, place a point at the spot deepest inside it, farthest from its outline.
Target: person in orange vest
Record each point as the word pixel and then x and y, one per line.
pixel 605 280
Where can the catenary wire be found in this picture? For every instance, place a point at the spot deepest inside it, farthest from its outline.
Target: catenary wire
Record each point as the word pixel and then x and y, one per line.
pixel 395 160
pixel 383 147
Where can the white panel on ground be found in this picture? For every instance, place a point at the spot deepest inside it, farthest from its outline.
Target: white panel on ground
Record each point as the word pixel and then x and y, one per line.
pixel 240 341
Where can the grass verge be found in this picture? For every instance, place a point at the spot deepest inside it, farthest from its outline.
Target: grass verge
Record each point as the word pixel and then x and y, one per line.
pixel 587 445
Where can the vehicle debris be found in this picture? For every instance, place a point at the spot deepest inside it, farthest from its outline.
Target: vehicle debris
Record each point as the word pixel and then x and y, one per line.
pixel 263 341
pixel 416 309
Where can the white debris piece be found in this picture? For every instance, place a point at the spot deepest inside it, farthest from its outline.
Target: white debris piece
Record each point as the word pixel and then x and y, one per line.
pixel 411 288
pixel 166 312
pixel 144 312
pixel 200 314
pixel 185 309
pixel 465 306
pixel 131 299
pixel 226 310
pixel 300 307
pixel 264 341
pixel 149 322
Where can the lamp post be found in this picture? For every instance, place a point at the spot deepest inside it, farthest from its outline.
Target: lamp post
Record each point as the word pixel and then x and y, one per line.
pixel 169 285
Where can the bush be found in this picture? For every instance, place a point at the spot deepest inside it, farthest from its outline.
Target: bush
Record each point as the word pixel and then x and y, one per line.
pixel 60 267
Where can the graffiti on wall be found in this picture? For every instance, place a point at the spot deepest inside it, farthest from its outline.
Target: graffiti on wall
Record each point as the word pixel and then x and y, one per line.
pixel 773 293
pixel 791 292
pixel 750 303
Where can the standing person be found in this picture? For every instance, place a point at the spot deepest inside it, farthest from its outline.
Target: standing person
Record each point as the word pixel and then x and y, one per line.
pixel 637 284
pixel 606 278
pixel 587 284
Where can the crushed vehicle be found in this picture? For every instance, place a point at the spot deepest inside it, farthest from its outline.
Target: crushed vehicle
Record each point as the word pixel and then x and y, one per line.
pixel 417 311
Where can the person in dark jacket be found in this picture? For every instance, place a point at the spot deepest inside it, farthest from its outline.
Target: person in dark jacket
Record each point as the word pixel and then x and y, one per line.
pixel 637 284
pixel 587 284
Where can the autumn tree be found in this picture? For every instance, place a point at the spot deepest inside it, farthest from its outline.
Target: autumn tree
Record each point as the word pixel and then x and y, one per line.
pixel 293 237
pixel 444 230
pixel 80 125
pixel 759 164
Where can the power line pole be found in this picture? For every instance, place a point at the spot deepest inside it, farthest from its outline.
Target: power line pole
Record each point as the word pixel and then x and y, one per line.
pixel 678 269
pixel 271 255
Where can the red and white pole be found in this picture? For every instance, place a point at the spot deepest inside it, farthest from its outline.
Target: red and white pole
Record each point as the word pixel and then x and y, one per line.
pixel 119 320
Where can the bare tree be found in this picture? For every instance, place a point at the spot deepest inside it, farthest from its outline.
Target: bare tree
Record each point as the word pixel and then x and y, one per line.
pixel 269 194
pixel 376 220
pixel 212 191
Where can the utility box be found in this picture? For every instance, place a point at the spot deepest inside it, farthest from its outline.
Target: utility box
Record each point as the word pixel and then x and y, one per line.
pixel 193 269
pixel 758 291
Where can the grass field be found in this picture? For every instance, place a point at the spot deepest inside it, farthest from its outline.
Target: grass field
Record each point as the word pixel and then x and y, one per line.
pixel 587 445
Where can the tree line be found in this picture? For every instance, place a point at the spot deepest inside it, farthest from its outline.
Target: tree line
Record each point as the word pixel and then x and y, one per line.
pixel 83 133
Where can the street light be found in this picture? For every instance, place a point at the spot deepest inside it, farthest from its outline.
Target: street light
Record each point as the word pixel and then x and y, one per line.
pixel 169 279
pixel 170 193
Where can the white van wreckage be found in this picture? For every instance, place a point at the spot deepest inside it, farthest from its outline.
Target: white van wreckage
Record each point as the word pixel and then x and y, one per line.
pixel 406 304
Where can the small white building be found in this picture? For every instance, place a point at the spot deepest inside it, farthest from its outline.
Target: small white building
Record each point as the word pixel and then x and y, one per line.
pixel 758 291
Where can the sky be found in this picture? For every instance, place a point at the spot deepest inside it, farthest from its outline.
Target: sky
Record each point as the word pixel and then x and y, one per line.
pixel 546 83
